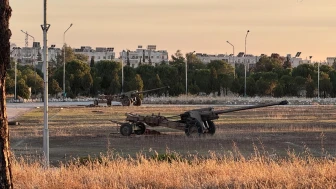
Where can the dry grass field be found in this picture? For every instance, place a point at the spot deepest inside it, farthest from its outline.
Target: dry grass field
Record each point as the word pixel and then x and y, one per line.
pixel 274 147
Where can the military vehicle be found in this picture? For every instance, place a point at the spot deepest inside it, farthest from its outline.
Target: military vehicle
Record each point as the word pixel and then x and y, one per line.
pixel 193 122
pixel 126 98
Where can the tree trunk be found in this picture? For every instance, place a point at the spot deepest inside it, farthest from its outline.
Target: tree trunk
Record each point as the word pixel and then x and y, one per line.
pixel 5 34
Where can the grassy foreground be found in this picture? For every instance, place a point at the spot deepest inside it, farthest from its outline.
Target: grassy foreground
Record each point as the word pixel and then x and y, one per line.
pixel 171 171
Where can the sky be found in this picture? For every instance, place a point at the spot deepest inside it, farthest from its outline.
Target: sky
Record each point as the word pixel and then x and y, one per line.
pixel 204 26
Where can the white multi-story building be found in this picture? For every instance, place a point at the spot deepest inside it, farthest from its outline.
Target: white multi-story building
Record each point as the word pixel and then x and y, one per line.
pixel 231 59
pixel 331 60
pixel 149 56
pixel 98 54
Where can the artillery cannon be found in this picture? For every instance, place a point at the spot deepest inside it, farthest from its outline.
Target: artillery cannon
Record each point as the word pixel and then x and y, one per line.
pixel 193 122
pixel 127 98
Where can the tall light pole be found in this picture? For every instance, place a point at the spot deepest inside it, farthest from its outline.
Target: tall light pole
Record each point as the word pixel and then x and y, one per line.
pixel 318 79
pixel 15 68
pixel 45 28
pixel 186 72
pixel 245 63
pixel 64 61
pixel 234 64
pixel 33 58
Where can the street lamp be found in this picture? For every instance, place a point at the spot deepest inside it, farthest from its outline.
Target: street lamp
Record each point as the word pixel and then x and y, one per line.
pixel 15 68
pixel 33 58
pixel 45 27
pixel 245 63
pixel 318 79
pixel 64 61
pixel 234 64
pixel 186 70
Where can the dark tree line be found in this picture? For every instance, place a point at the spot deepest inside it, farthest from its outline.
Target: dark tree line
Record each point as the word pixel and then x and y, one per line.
pixel 270 76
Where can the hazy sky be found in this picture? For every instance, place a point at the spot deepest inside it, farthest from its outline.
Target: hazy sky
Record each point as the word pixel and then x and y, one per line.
pixel 282 26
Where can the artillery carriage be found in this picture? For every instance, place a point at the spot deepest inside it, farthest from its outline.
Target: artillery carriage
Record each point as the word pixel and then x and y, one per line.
pixel 193 123
pixel 127 98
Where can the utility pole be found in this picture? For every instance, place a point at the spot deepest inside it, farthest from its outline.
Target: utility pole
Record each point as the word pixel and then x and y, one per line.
pixel 45 28
pixel 64 62
pixel 245 63
pixel 186 71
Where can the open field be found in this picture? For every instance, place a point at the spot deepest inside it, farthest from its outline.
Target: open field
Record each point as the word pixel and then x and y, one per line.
pixel 87 131
pixel 274 147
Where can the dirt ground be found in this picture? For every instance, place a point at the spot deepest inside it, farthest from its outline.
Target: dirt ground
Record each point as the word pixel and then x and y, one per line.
pixel 87 131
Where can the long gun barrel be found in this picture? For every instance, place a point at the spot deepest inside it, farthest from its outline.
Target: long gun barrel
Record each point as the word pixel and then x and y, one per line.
pixel 140 92
pixel 251 107
pixel 210 114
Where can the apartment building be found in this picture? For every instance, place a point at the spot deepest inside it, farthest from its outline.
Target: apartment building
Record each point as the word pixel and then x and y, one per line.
pixel 98 54
pixel 142 55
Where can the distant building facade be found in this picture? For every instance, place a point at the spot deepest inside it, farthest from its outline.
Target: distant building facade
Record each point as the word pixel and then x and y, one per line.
pixel 249 59
pixel 141 56
pixel 98 54
pixel 331 60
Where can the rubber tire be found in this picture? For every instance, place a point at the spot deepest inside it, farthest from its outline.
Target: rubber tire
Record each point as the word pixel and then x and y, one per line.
pixel 95 102
pixel 126 129
pixel 126 102
pixel 109 102
pixel 193 129
pixel 212 128
pixel 137 101
pixel 142 129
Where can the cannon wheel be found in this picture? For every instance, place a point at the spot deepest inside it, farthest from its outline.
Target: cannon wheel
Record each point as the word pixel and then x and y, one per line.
pixel 126 129
pixel 141 128
pixel 95 102
pixel 125 101
pixel 109 102
pixel 212 127
pixel 137 101
pixel 193 128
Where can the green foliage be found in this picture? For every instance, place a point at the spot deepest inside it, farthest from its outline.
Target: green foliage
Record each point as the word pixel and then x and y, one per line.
pixel 167 157
pixel 54 87
pixel 263 87
pixel 78 78
pixel 22 89
pixel 325 85
pixel 267 64
pixel 138 83
pixel 106 70
pixel 278 91
pixel 310 87
pixel 250 87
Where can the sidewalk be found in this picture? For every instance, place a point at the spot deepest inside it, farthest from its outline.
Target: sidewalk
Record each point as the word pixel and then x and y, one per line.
pixel 13 112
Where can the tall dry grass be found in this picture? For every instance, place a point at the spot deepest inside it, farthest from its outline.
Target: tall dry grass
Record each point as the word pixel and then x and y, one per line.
pixel 172 171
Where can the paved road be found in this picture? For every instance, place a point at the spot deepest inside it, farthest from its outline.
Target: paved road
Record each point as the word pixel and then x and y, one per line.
pixel 15 109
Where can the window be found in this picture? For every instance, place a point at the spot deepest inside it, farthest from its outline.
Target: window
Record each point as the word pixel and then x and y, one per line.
pixel 104 57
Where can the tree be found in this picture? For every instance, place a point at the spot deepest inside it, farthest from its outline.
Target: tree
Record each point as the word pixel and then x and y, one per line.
pixel 54 87
pixel 92 62
pixel 138 83
pixel 287 63
pixel 5 33
pixel 325 85
pixel 310 87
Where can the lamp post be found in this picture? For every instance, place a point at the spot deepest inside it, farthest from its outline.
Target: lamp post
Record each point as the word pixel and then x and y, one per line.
pixel 45 28
pixel 33 58
pixel 14 49
pixel 64 62
pixel 318 79
pixel 245 64
pixel 234 64
pixel 186 73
